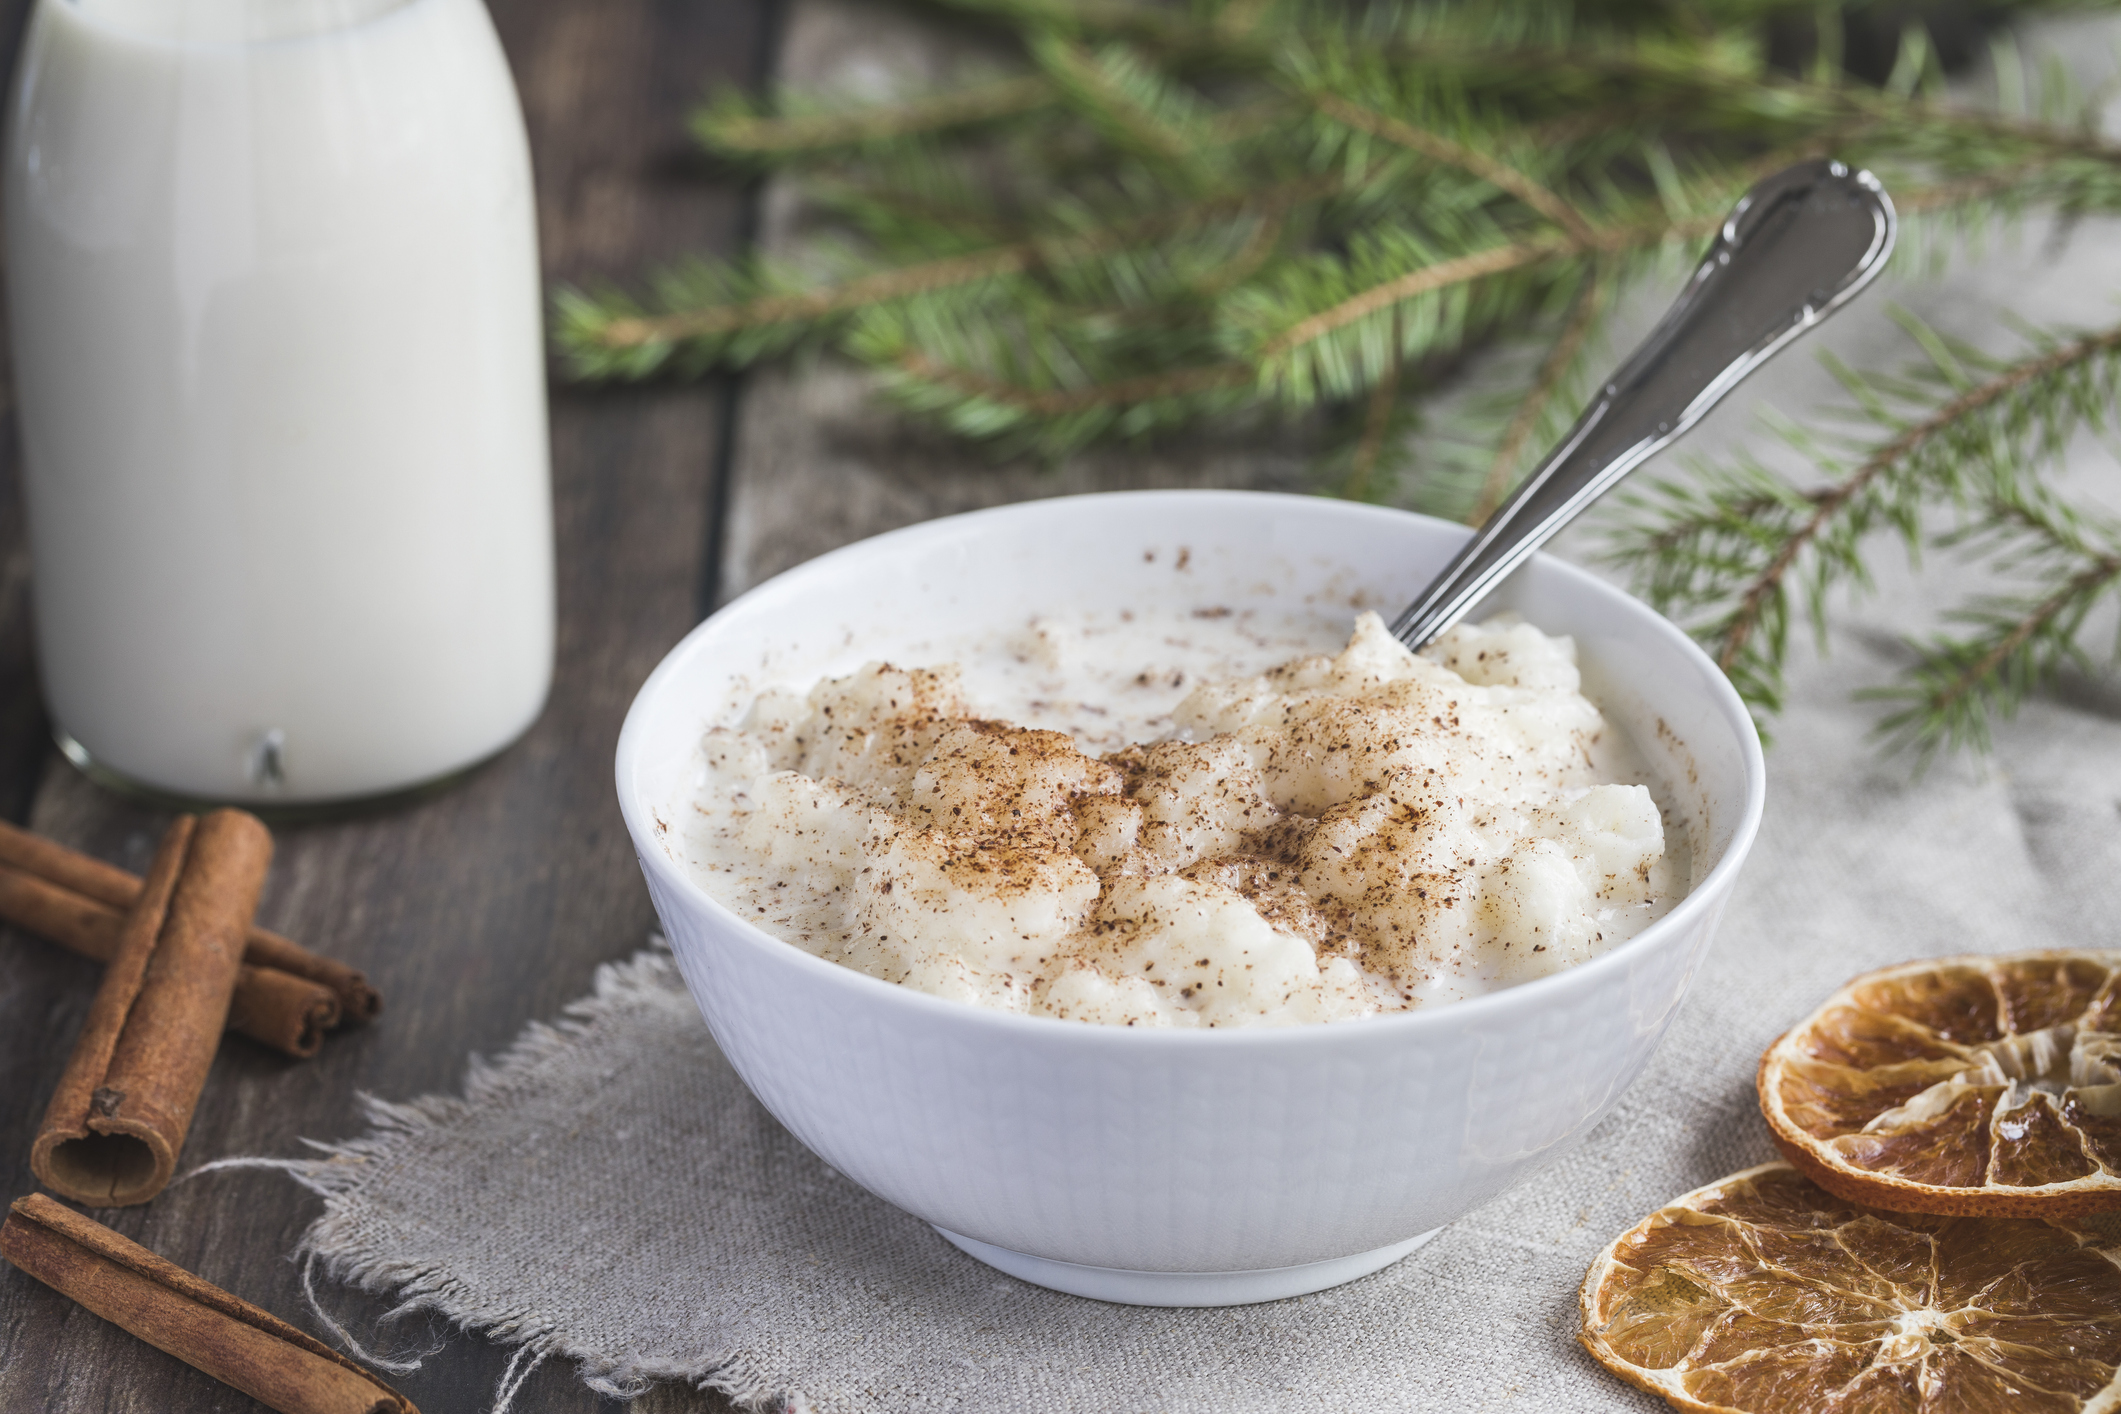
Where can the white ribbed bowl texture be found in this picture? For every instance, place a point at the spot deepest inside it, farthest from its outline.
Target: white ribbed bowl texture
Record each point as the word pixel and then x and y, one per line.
pixel 1196 1167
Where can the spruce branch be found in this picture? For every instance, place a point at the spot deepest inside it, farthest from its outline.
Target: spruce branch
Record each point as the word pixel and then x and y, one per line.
pixel 1239 211
pixel 1377 427
pixel 813 305
pixel 1387 279
pixel 1039 412
pixel 1374 447
pixel 617 337
pixel 1426 278
pixel 1554 371
pixel 1956 416
pixel 1178 382
pixel 1269 226
pixel 2072 139
pixel 1467 159
pixel 1729 550
pixel 2017 642
pixel 1139 109
pixel 733 127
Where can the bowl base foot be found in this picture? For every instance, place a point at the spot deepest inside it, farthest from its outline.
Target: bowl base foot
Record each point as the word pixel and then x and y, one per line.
pixel 1132 1288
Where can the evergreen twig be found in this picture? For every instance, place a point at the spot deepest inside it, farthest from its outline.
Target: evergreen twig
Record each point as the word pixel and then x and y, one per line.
pixel 1376 428
pixel 1953 416
pixel 2017 642
pixel 733 126
pixel 1965 436
pixel 1261 209
pixel 1554 371
pixel 1442 149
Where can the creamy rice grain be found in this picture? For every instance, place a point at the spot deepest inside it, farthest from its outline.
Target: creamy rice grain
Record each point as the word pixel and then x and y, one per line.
pixel 1337 837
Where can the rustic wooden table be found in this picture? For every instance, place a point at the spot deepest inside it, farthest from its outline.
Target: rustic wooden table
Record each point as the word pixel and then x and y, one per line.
pixel 475 911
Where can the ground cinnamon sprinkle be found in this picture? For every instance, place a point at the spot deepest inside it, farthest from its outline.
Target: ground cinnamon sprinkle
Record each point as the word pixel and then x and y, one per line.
pixel 1340 835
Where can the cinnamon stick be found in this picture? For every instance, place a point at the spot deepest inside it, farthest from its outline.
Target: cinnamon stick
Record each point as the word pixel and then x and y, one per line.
pixel 119 1115
pixel 273 1007
pixel 286 1012
pixel 194 1320
pixel 107 884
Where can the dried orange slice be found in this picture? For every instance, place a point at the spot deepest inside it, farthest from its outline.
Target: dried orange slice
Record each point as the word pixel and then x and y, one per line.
pixel 1986 1085
pixel 1763 1292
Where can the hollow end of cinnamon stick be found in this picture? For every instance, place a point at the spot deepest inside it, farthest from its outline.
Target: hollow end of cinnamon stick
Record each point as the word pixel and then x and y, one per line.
pixel 358 1002
pixel 72 1154
pixel 105 1170
pixel 286 1012
pixel 117 1120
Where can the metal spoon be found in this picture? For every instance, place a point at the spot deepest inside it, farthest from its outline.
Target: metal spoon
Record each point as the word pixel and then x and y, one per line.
pixel 1796 248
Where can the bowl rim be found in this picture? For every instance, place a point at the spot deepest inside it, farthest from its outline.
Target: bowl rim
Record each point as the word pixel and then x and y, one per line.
pixel 1706 895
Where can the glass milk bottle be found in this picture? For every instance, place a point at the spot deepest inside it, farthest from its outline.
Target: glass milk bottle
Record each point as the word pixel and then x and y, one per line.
pixel 272 268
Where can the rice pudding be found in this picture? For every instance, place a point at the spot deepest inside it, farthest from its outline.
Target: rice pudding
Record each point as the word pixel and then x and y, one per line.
pixel 1191 820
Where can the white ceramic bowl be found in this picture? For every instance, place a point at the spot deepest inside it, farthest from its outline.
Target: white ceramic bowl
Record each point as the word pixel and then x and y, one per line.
pixel 1195 1167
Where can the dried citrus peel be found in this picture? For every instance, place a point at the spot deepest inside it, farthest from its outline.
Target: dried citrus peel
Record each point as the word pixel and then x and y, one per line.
pixel 1762 1292
pixel 1959 1085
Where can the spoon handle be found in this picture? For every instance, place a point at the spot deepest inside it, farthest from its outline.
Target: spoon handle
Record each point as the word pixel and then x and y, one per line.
pixel 1796 248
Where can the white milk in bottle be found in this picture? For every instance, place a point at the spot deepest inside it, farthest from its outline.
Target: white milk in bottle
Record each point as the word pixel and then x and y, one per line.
pixel 272 267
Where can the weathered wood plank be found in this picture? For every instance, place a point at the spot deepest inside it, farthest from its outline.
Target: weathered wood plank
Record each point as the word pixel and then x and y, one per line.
pixel 490 904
